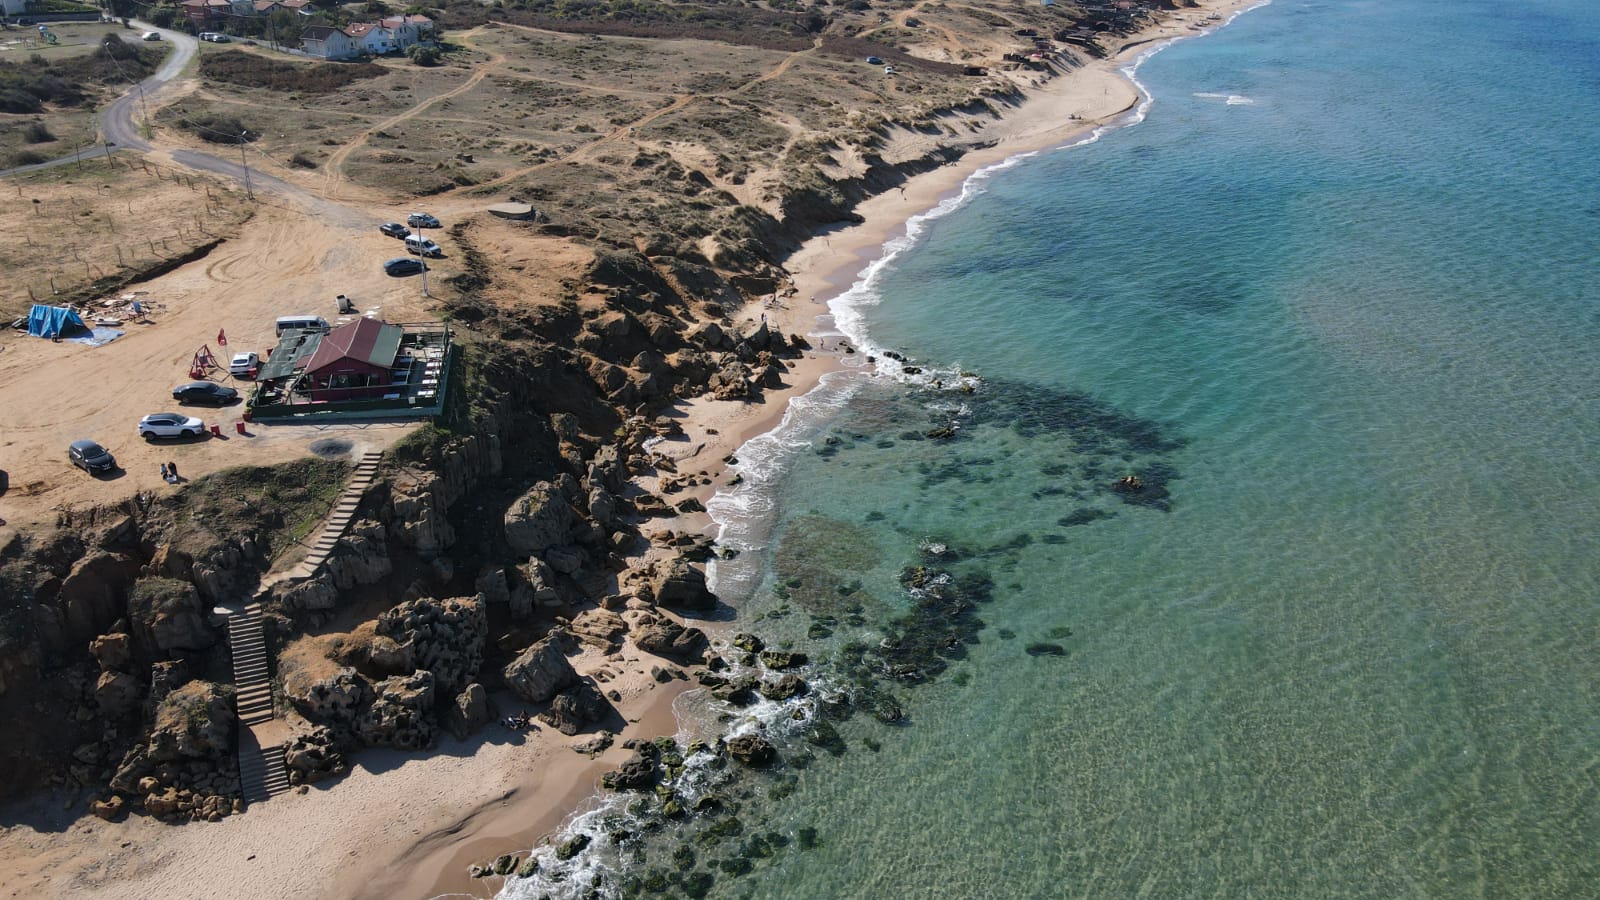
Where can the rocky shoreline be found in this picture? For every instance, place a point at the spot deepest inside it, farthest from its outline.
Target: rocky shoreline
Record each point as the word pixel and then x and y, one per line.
pixel 541 545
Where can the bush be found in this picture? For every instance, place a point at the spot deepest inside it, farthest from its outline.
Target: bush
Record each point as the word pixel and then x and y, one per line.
pixel 37 133
pixel 220 129
pixel 424 55
pixel 19 101
pixel 27 158
pixel 250 70
pixel 301 161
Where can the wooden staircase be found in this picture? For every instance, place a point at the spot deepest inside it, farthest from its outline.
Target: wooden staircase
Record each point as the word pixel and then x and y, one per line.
pixel 344 511
pixel 262 773
pixel 261 769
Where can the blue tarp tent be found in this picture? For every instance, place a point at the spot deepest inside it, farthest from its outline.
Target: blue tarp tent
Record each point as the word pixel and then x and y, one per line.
pixel 54 321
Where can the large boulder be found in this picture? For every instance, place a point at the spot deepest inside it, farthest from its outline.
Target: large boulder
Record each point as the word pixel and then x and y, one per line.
pixel 541 671
pixel 117 693
pixel 401 713
pixel 445 637
pixel 90 594
pixel 682 586
pixel 668 638
pixel 470 711
pixel 112 651
pixel 577 708
pixel 194 721
pixel 599 628
pixel 313 756
pixel 167 616
pixel 538 520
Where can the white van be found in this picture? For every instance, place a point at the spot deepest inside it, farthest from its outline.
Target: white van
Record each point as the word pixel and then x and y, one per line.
pixel 302 323
pixel 423 246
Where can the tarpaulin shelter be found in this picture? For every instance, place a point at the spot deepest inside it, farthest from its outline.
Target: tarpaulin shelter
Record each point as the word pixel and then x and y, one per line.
pixel 54 321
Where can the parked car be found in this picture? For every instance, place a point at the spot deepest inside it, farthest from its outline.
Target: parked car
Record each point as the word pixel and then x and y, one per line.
pixel 215 37
pixel 874 60
pixel 204 392
pixel 243 365
pixel 394 229
pixel 170 425
pixel 423 247
pixel 402 266
pixel 422 220
pixel 151 36
pixel 91 457
pixel 888 70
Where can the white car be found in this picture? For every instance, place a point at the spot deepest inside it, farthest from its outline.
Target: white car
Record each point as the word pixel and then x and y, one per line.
pixel 243 365
pixel 152 36
pixel 170 425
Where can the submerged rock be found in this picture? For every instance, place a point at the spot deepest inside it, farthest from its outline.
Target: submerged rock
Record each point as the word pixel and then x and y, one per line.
pixel 1043 649
pixel 752 750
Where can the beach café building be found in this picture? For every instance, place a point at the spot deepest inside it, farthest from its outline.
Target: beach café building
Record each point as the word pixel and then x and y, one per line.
pixel 364 366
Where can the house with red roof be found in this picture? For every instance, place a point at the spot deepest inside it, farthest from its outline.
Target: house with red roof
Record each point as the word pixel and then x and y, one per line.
pixel 353 361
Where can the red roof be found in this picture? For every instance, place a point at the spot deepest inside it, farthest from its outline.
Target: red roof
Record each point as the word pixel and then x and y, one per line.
pixel 367 341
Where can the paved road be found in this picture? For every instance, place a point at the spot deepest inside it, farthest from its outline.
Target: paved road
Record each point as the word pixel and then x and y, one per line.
pixel 117 123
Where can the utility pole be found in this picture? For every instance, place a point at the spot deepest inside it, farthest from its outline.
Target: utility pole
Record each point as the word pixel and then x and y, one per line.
pixel 247 191
pixel 423 258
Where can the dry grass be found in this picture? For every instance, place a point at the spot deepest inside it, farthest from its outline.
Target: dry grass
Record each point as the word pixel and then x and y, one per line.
pixel 103 220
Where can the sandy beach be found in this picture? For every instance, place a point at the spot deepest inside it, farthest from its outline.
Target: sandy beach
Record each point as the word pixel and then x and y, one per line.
pixel 404 825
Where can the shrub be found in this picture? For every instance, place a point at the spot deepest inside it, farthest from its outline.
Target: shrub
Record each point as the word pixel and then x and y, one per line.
pixel 250 70
pixel 219 129
pixel 37 133
pixel 27 158
pixel 301 161
pixel 424 55
pixel 16 100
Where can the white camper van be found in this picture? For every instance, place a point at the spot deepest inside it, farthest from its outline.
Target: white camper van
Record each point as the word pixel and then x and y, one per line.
pixel 302 323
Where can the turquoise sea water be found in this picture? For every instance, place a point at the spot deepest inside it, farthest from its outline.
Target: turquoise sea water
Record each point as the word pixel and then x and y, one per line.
pixel 1335 302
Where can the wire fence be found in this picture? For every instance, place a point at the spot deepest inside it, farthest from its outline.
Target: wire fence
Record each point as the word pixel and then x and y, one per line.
pixel 97 254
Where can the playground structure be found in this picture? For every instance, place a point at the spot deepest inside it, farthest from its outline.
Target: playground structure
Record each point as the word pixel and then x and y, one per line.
pixel 205 362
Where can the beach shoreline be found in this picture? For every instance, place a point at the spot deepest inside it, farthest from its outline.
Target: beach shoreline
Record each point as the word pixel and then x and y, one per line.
pixel 407 825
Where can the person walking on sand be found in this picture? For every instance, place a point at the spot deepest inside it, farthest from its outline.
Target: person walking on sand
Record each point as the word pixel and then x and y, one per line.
pixel 172 472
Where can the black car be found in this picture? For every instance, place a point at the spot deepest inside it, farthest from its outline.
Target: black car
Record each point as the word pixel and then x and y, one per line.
pixel 394 229
pixel 400 267
pixel 204 392
pixel 422 220
pixel 91 457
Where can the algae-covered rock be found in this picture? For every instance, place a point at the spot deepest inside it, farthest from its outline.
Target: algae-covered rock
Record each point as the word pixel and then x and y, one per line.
pixel 752 749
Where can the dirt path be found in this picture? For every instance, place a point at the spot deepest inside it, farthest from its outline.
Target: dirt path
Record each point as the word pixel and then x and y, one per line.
pixel 333 169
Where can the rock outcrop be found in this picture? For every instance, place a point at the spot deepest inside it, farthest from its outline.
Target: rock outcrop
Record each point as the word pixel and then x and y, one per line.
pixel 538 520
pixel 400 714
pixel 576 708
pixel 668 638
pixel 541 671
pixel 168 616
pixel 444 637
pixel 682 586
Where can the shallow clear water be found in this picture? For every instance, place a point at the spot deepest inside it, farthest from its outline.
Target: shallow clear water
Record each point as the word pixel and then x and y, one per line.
pixel 1347 322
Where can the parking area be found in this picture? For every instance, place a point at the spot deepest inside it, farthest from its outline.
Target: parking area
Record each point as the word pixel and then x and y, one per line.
pixel 52 394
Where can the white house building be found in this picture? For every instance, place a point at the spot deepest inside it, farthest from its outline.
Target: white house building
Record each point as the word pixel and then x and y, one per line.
pixel 328 43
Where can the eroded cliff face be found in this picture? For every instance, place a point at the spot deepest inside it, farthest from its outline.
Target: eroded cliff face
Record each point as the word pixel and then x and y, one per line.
pixel 516 507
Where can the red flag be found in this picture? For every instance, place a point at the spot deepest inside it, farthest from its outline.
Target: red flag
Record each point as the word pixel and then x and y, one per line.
pixel 222 338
